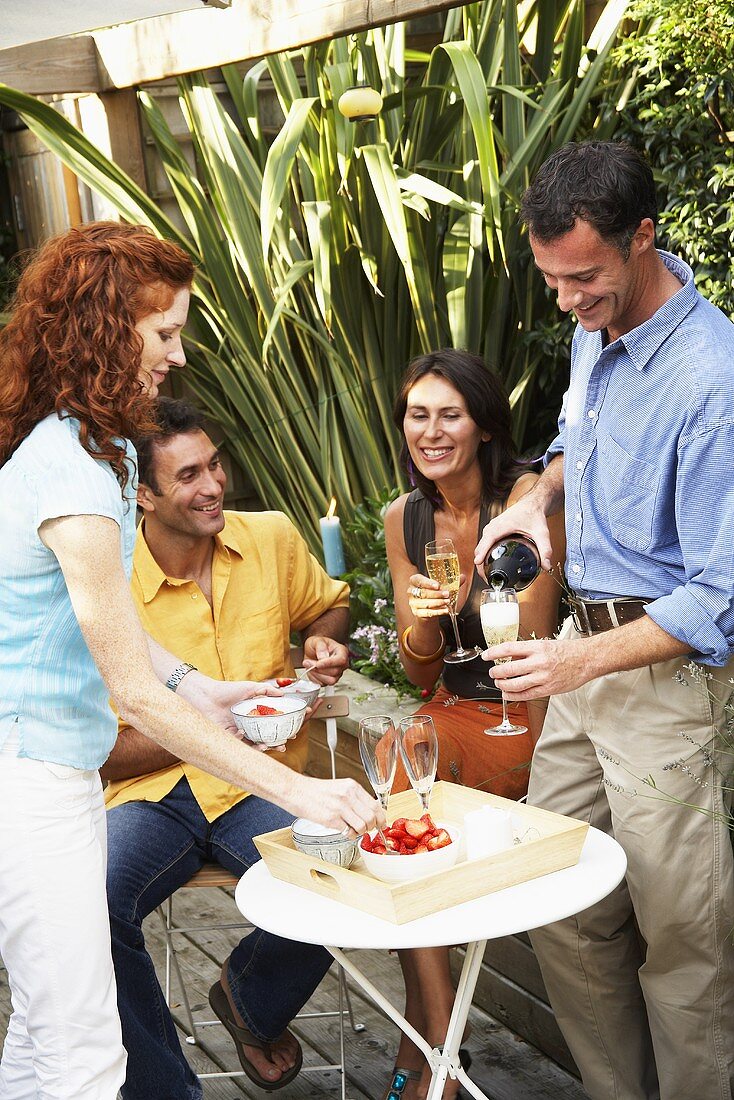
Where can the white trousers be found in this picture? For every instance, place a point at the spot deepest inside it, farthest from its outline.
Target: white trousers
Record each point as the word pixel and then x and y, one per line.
pixel 64 1040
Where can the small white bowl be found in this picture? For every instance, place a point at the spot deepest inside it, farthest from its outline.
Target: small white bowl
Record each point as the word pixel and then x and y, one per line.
pixel 270 729
pixel 408 868
pixel 316 840
pixel 303 689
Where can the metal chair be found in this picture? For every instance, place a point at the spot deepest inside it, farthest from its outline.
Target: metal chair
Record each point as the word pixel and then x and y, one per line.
pixel 212 875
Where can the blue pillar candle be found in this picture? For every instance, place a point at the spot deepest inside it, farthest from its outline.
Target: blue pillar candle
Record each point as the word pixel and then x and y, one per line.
pixel 331 537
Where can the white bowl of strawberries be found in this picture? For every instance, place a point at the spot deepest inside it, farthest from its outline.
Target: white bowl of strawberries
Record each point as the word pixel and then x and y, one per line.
pixel 419 847
pixel 267 720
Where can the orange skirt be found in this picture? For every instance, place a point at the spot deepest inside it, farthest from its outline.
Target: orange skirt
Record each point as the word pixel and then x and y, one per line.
pixel 467 755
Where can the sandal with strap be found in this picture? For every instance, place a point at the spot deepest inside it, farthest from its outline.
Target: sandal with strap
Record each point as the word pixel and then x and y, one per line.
pixel 225 1011
pixel 400 1078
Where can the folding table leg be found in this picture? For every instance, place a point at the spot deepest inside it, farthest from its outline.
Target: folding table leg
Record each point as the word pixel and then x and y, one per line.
pixel 446 1063
pixel 380 1000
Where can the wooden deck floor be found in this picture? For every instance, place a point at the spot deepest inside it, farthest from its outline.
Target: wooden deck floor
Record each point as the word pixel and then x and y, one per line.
pixel 504 1066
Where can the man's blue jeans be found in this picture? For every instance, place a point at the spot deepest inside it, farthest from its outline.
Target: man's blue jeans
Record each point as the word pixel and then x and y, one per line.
pixel 155 847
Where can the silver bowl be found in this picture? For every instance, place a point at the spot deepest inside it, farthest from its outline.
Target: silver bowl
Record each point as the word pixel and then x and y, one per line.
pixel 321 843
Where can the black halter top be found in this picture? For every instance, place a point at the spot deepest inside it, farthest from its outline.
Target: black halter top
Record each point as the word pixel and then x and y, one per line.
pixel 470 680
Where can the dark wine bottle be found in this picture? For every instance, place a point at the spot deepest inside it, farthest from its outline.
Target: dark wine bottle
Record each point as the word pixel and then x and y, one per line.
pixel 512 563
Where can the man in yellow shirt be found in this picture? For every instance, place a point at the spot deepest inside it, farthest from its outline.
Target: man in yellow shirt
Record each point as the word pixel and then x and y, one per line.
pixel 224 590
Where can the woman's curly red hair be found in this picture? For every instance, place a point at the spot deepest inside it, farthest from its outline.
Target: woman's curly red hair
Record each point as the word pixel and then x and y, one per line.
pixel 71 345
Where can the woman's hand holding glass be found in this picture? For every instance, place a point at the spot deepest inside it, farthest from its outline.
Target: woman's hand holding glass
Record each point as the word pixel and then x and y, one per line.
pixel 442 564
pixel 426 598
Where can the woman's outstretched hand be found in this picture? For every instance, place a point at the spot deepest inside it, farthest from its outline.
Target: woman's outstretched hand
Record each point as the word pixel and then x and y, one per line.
pixel 340 804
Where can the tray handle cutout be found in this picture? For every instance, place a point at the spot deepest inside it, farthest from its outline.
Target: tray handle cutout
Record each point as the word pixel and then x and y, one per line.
pixel 325 879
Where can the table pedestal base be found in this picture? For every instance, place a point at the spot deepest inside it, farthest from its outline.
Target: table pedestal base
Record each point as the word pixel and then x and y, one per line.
pixel 444 1062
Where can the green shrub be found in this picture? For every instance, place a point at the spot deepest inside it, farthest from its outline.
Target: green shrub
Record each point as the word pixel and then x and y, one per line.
pixel 682 115
pixel 329 256
pixel 374 641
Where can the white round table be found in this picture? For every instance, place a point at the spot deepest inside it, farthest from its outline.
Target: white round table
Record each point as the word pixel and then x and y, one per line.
pixel 298 914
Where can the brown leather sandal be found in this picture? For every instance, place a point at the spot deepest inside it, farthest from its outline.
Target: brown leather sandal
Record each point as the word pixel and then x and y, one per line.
pixel 224 1010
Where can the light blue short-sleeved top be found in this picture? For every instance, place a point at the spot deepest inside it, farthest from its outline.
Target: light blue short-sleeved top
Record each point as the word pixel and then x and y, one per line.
pixel 53 700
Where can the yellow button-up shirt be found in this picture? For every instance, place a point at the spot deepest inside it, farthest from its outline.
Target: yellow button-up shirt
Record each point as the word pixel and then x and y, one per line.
pixel 265 584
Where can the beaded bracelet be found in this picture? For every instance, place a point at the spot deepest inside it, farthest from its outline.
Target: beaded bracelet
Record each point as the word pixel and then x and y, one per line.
pixel 421 658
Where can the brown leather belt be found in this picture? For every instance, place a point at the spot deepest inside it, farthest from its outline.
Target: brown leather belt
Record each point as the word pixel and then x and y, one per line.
pixel 596 616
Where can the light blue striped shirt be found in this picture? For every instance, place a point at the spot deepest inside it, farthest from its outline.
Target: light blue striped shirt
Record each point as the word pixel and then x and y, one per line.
pixel 52 698
pixel 647 434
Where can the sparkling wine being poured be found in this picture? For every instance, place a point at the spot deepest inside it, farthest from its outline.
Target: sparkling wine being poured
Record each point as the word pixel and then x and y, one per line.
pixel 500 615
pixel 500 621
pixel 513 563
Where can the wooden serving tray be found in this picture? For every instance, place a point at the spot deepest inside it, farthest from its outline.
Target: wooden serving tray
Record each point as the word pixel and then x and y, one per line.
pixel 549 842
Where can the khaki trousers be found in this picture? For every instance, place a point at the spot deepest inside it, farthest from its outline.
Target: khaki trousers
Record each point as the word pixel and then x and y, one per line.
pixel 642 984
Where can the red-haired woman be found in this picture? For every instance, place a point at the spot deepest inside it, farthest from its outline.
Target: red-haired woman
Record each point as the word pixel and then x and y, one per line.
pixel 96 326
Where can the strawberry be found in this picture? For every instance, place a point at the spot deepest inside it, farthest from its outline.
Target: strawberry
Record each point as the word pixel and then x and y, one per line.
pixel 417 851
pixel 428 821
pixel 379 849
pixel 416 829
pixel 284 681
pixel 366 843
pixel 392 844
pixel 441 840
pixel 405 850
pixel 410 843
pixel 399 823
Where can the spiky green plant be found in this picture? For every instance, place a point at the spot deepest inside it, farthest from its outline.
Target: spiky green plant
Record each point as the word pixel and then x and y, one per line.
pixel 330 256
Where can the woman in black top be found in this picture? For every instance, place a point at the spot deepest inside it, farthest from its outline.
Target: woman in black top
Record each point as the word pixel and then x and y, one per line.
pixel 457 448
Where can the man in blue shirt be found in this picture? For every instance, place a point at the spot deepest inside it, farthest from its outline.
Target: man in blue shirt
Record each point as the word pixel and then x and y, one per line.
pixel 642 983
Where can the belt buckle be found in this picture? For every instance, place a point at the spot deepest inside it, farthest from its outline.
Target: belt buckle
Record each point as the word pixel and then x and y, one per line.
pixel 580 616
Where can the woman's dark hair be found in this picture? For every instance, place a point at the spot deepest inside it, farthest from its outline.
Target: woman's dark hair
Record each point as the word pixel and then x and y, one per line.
pixel 172 416
pixel 489 408
pixel 605 183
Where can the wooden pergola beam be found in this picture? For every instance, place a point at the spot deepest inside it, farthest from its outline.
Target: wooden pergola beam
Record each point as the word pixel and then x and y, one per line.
pixel 56 65
pixel 152 49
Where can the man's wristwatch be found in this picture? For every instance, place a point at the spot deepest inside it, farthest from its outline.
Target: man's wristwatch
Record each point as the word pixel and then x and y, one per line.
pixel 178 674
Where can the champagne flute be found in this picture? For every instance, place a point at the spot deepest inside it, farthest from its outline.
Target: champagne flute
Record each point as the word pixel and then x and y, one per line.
pixel 419 752
pixel 378 748
pixel 442 565
pixel 500 614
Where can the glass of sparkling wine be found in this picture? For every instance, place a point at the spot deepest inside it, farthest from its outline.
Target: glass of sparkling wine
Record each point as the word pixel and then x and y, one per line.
pixel 419 751
pixel 378 748
pixel 442 565
pixel 500 614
